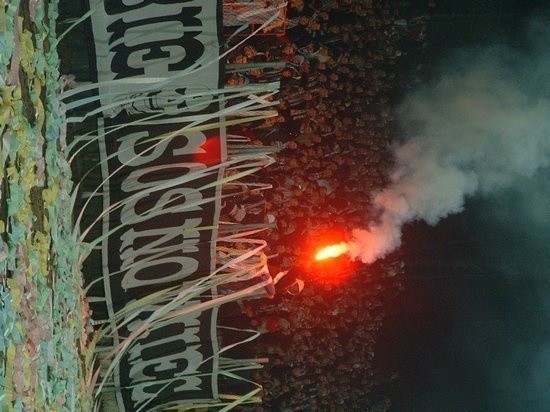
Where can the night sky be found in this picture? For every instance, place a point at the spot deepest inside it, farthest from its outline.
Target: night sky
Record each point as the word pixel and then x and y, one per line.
pixel 471 332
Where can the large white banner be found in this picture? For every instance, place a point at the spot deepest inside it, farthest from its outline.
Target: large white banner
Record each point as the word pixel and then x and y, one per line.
pixel 138 43
pixel 157 62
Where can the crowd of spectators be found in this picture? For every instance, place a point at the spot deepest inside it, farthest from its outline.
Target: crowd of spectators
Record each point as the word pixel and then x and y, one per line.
pixel 343 65
pixel 334 124
pixel 321 343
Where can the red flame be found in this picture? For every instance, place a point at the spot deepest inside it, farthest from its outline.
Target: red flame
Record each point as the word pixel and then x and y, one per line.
pixel 209 152
pixel 332 251
pixel 334 269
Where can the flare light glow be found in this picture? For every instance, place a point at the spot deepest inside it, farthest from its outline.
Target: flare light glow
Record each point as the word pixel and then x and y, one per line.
pixel 332 251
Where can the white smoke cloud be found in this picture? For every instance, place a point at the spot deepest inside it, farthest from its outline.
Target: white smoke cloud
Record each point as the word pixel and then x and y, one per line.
pixel 481 128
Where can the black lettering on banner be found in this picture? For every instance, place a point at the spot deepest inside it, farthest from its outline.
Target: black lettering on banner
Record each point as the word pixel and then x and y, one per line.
pixel 174 352
pixel 187 18
pixel 165 227
pixel 193 49
pixel 118 6
pixel 180 147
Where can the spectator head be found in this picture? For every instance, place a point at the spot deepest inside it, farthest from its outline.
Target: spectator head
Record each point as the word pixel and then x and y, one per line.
pixel 249 51
pixel 324 16
pixel 235 80
pixel 303 21
pixel 241 59
pixel 256 73
pixel 323 92
pixel 289 49
pixel 314 26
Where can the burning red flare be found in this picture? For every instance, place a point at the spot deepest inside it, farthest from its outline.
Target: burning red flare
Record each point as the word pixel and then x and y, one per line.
pixel 209 153
pixel 332 251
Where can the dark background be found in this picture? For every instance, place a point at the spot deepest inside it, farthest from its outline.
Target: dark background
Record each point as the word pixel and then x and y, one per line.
pixel 471 332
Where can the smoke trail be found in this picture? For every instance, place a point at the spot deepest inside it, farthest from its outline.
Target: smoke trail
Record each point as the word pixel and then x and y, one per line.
pixel 480 128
